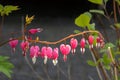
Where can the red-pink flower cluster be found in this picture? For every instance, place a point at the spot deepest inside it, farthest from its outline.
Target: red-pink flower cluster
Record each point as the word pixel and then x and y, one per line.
pixel 46 52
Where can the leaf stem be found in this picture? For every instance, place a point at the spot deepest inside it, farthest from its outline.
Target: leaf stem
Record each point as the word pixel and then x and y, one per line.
pixel 113 62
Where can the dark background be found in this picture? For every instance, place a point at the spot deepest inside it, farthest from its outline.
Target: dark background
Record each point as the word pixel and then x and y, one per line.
pixel 50 7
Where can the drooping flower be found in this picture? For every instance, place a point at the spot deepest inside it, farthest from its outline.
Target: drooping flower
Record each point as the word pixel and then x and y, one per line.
pixel 82 45
pixel 65 50
pixel 34 31
pixel 34 51
pixel 55 55
pixel 13 43
pixel 46 52
pixel 99 42
pixel 24 47
pixel 74 44
pixel 90 41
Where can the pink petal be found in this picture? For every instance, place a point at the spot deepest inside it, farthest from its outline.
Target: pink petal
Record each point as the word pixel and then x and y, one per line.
pixel 73 43
pixel 65 49
pixel 55 53
pixel 82 43
pixel 90 39
pixel 13 43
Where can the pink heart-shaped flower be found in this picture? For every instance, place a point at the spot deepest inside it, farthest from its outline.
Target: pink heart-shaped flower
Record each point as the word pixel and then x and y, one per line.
pixel 65 49
pixel 46 51
pixel 34 51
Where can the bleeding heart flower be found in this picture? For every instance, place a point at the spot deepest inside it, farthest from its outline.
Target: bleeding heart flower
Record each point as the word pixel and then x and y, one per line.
pixel 82 45
pixel 34 31
pixel 34 51
pixel 90 41
pixel 55 55
pixel 65 50
pixel 13 43
pixel 74 44
pixel 46 52
pixel 24 47
pixel 99 42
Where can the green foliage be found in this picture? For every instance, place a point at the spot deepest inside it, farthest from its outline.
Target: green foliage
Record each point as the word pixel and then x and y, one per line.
pixel 100 2
pixel 117 25
pixel 83 20
pixel 109 45
pixel 5 66
pixel 106 47
pixel 5 10
pixel 91 63
pixel 106 61
pixel 118 1
pixel 77 31
pixel 97 11
pixel 91 26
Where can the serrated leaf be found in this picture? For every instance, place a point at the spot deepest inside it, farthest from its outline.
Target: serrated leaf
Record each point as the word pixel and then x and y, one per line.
pixel 91 63
pixel 5 10
pixel 9 8
pixel 83 20
pixel 97 11
pixel 77 31
pixel 100 2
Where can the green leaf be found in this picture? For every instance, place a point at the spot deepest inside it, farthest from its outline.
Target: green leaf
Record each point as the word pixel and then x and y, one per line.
pixel 1 8
pixel 91 63
pixel 118 1
pixel 5 66
pixel 100 2
pixel 91 26
pixel 77 31
pixel 109 45
pixel 83 20
pixel 5 10
pixel 9 8
pixel 107 67
pixel 97 11
pixel 117 25
pixel 106 59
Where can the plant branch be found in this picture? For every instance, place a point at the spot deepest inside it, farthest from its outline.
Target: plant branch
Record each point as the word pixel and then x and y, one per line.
pixel 70 36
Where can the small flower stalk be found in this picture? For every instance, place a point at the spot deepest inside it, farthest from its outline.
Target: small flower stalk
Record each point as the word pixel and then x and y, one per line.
pixel 74 44
pixel 65 50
